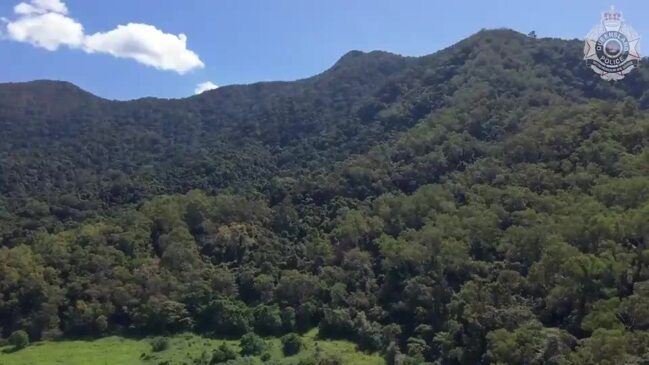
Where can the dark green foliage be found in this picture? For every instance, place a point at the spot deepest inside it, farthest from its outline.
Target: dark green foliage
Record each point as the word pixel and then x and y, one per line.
pixel 484 204
pixel 368 334
pixel 291 344
pixel 308 314
pixel 19 340
pixel 252 345
pixel 288 319
pixel 226 318
pixel 268 320
pixel 336 323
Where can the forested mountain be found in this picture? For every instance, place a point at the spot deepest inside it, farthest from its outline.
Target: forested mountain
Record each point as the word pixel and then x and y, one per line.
pixel 486 204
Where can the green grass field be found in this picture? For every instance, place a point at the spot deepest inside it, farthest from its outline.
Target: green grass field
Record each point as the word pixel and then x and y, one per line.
pixel 183 349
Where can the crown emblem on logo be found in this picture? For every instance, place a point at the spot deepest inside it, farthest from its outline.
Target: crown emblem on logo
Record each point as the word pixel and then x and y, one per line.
pixel 612 19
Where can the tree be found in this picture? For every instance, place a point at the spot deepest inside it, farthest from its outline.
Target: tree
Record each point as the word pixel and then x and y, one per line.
pixel 529 344
pixel 252 345
pixel 101 323
pixel 368 334
pixel 24 279
pixel 160 315
pixel 604 347
pixel 264 285
pixel 585 277
pixel 392 354
pixel 288 319
pixel 355 230
pixel 268 320
pixel 308 314
pixel 225 317
pixel 336 323
pixel 295 287
pixel 604 314
pixel 291 344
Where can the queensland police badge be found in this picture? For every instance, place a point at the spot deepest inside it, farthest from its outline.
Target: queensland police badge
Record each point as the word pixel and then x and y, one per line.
pixel 612 48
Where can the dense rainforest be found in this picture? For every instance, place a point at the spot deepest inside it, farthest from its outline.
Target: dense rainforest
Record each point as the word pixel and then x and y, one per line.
pixel 486 204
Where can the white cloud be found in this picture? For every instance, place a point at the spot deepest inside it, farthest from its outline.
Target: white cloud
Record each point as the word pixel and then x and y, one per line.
pixel 41 7
pixel 45 24
pixel 146 44
pixel 205 86
pixel 49 31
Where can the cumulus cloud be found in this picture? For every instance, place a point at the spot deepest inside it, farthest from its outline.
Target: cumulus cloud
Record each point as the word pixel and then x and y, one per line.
pixel 41 7
pixel 46 24
pixel 205 86
pixel 146 44
pixel 49 31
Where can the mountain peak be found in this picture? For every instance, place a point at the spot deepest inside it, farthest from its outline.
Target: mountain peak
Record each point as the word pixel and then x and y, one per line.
pixel 355 64
pixel 45 88
pixel 48 95
pixel 351 55
pixel 356 56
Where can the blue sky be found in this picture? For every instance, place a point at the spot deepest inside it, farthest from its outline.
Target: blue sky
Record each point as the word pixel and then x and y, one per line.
pixel 246 41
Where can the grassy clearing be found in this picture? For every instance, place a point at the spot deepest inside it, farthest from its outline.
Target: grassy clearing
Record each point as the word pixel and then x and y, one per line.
pixel 183 350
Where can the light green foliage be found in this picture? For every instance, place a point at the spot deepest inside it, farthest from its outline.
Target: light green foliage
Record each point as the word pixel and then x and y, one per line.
pixel 183 349
pixel 605 314
pixel 612 347
pixel 222 354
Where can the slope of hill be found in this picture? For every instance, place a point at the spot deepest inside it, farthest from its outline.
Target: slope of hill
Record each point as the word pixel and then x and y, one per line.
pixel 488 203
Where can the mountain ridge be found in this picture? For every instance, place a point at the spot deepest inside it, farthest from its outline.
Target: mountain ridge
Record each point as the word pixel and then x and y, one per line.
pixel 344 60
pixel 66 86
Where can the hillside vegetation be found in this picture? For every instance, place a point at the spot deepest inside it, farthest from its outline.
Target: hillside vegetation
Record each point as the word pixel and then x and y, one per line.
pixel 487 204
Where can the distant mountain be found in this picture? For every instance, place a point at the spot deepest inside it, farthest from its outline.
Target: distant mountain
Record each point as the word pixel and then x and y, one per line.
pixel 46 124
pixel 484 204
pixel 361 101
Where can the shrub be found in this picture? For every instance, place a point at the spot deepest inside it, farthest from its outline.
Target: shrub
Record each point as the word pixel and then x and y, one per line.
pixel 19 339
pixel 252 345
pixel 222 354
pixel 291 344
pixel 159 344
